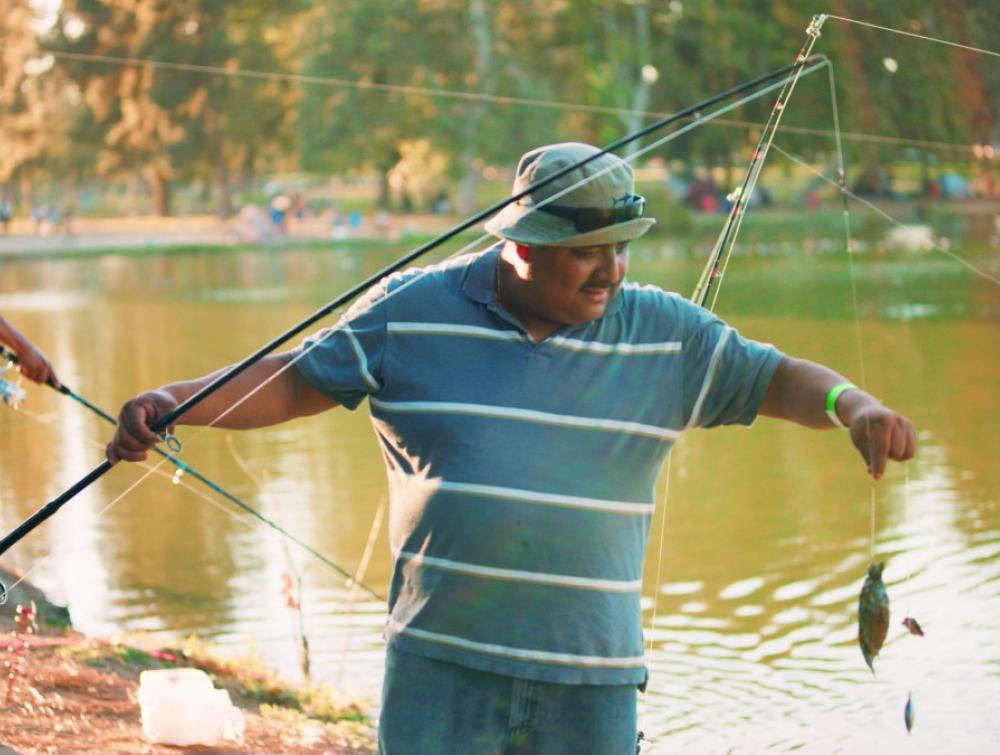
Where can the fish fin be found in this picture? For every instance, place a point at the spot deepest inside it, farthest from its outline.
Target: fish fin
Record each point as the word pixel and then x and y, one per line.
pixel 913 625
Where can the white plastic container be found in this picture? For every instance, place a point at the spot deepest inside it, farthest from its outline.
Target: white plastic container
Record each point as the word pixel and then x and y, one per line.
pixel 181 707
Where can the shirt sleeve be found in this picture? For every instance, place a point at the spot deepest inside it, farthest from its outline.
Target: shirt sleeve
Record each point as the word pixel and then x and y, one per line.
pixel 344 361
pixel 725 375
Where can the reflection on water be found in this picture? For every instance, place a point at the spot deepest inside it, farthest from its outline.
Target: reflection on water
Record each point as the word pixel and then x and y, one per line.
pixel 751 601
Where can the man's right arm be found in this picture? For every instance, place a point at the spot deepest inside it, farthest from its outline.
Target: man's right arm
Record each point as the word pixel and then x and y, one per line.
pixel 279 393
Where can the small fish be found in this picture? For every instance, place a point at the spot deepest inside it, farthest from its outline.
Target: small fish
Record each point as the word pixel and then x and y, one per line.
pixel 873 614
pixel 913 625
pixel 908 713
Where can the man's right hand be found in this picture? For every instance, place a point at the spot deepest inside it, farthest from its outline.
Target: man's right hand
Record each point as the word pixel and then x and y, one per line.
pixel 133 438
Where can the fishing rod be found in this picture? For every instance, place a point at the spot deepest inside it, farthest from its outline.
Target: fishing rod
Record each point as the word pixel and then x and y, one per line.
pixel 184 468
pixel 162 423
pixel 718 260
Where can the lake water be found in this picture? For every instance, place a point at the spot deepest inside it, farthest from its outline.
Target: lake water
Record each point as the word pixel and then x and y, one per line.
pixel 759 546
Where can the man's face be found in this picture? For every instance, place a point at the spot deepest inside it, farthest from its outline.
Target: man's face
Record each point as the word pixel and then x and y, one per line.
pixel 573 285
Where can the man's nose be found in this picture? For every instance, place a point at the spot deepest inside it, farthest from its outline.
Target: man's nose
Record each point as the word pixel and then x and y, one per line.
pixel 611 267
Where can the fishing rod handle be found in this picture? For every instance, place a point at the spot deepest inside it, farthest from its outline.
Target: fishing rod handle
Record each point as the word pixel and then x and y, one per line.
pixel 11 357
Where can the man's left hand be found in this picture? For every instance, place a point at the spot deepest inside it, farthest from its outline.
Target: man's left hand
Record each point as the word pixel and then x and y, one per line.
pixel 36 367
pixel 881 434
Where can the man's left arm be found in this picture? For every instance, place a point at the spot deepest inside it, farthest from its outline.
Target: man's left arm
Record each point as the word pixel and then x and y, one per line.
pixel 33 364
pixel 798 392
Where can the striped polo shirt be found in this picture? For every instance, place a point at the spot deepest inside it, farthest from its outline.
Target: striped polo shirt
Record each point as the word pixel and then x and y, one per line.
pixel 521 474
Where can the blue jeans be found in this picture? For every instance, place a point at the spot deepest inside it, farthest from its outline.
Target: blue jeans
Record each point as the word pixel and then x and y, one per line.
pixel 431 707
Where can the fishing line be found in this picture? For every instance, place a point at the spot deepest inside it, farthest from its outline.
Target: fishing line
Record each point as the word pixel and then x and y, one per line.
pixel 903 141
pixel 537 207
pixel 937 247
pixel 332 82
pixel 42 561
pixel 334 329
pixel 795 70
pixel 849 248
pixel 799 68
pixel 356 583
pixel 182 467
pixel 49 422
pixel 359 574
pixel 914 34
pixel 659 556
pixel 719 258
pixel 151 469
pixel 164 422
pixel 292 575
pixel 463 95
pixel 262 489
pixel 634 156
pixel 906 514
pixel 730 230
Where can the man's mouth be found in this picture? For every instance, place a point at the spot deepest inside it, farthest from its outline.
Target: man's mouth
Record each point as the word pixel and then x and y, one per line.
pixel 597 293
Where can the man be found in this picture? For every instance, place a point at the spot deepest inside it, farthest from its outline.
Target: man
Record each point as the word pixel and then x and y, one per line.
pixel 524 398
pixel 33 363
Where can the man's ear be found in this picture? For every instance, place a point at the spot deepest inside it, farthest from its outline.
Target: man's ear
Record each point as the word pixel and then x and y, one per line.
pixel 522 252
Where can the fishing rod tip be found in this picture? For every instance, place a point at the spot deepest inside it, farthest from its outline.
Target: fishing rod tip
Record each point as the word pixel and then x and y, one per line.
pixel 816 24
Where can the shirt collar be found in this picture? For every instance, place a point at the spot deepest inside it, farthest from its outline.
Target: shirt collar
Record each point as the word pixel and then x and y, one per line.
pixel 481 282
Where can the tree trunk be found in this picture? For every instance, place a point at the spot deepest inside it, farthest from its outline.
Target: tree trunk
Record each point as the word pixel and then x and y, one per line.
pixel 479 22
pixel 859 95
pixel 223 190
pixel 382 201
pixel 640 87
pixel 136 191
pixel 246 170
pixel 161 193
pixel 27 190
pixel 466 201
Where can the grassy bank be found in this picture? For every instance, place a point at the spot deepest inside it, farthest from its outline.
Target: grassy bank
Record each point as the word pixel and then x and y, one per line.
pixel 64 692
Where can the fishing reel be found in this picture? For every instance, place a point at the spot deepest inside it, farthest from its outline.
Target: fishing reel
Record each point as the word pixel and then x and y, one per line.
pixel 3 593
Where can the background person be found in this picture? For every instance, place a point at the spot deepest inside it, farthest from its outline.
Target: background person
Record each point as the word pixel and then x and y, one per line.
pixel 525 398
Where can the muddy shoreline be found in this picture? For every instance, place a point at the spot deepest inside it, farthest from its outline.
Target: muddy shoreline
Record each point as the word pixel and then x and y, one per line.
pixel 62 692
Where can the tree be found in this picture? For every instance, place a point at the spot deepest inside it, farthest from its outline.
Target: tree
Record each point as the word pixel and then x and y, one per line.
pixel 167 121
pixel 37 106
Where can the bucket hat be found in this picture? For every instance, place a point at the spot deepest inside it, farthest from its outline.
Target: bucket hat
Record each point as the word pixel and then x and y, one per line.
pixel 591 205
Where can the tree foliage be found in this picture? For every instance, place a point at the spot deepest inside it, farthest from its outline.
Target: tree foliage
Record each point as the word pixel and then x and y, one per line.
pixel 429 94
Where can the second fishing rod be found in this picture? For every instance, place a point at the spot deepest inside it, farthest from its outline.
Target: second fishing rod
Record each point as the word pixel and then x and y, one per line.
pixel 183 467
pixel 168 419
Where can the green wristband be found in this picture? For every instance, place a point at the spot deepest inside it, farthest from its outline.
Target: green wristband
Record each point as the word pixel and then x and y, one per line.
pixel 831 401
